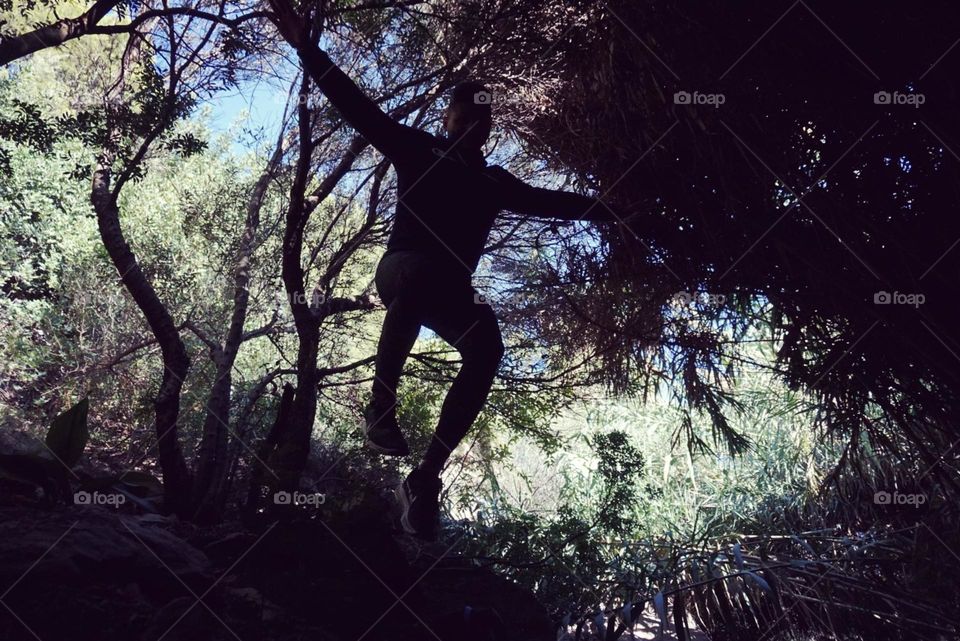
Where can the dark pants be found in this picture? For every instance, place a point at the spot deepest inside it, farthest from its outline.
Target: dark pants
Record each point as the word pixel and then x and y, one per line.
pixel 420 290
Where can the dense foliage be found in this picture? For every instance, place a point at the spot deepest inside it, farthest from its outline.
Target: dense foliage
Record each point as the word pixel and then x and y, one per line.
pixel 699 405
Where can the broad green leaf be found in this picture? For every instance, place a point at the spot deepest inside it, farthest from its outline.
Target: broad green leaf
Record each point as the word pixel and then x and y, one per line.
pixel 68 433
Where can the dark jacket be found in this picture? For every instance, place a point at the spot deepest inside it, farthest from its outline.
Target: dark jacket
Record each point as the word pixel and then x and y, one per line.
pixel 447 199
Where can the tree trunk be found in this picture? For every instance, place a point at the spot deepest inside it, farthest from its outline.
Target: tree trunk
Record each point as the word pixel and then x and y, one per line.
pixel 213 461
pixel 54 34
pixel 260 469
pixel 176 363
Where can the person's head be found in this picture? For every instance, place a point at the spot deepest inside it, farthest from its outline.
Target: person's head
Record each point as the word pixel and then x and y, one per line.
pixel 468 118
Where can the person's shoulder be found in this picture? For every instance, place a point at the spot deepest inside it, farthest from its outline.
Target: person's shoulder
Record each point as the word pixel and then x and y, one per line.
pixel 499 174
pixel 417 145
pixel 420 135
pixel 503 178
pixel 436 143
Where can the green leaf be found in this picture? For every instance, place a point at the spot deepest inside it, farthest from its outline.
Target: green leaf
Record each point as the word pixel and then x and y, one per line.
pixel 760 581
pixel 805 545
pixel 660 605
pixel 68 433
pixel 738 556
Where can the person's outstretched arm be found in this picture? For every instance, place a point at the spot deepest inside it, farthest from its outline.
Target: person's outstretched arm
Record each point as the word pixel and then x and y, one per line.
pixel 521 198
pixel 393 139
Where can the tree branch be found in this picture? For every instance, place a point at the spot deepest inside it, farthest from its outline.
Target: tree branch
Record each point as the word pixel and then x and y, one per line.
pixel 54 34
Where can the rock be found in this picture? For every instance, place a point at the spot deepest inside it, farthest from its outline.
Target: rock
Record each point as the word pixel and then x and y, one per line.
pixel 344 573
pixel 474 602
pixel 154 519
pixel 83 544
pixel 226 549
pixel 17 441
pixel 181 619
pixel 88 572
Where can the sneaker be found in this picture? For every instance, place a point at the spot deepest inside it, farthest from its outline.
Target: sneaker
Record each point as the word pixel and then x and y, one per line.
pixel 382 432
pixel 419 497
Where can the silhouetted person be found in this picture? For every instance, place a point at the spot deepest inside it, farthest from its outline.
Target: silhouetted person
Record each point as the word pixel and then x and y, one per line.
pixel 448 198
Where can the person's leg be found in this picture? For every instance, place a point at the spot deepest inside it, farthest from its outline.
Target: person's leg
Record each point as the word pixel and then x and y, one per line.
pixel 401 325
pixel 396 280
pixel 472 329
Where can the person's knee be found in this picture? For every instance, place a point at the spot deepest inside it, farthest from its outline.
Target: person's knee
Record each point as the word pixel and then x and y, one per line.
pixel 412 302
pixel 484 350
